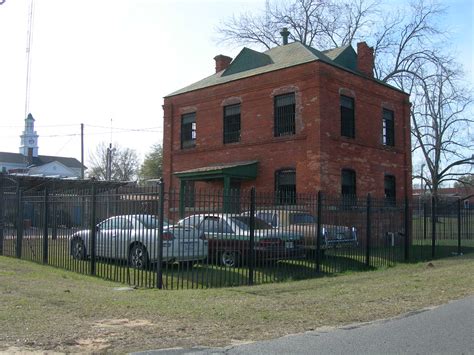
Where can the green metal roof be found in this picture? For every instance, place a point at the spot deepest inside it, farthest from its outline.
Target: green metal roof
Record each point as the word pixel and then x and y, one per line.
pixel 344 56
pixel 246 60
pixel 249 63
pixel 246 170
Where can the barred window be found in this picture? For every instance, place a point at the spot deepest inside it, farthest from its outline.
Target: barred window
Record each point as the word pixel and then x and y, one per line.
pixel 389 189
pixel 347 117
pixel 284 115
pixel 188 193
pixel 348 182
pixel 232 123
pixel 285 186
pixel 188 130
pixel 388 133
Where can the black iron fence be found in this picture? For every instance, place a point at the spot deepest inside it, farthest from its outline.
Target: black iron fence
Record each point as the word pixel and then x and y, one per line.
pixel 155 238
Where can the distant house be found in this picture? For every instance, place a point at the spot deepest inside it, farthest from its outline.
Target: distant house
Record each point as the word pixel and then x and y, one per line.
pixel 29 162
pixel 465 194
pixel 293 120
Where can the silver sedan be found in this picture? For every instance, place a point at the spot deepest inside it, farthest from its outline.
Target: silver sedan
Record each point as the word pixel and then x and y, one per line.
pixel 134 238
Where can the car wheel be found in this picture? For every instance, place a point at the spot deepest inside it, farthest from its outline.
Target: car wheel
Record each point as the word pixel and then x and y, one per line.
pixel 78 250
pixel 138 257
pixel 230 258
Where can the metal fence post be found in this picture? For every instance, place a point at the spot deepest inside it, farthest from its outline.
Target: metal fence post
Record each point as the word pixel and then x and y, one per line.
pixel 433 226
pixel 318 233
pixel 367 248
pixel 159 271
pixel 2 218
pixel 459 226
pixel 407 228
pixel 93 229
pixel 251 260
pixel 425 217
pixel 45 226
pixel 19 224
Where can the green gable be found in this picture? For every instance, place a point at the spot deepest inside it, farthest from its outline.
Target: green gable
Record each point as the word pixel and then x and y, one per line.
pixel 247 59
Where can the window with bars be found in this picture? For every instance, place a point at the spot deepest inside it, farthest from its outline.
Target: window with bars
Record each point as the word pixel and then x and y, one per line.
pixel 388 133
pixel 347 117
pixel 232 123
pixel 188 130
pixel 284 114
pixel 189 193
pixel 390 189
pixel 285 186
pixel 348 182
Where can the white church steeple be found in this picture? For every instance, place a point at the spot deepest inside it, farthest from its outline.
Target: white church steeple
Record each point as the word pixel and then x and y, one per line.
pixel 29 138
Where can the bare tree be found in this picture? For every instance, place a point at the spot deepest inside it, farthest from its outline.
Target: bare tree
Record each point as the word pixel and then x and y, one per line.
pixel 318 23
pixel 441 125
pixel 408 49
pixel 124 163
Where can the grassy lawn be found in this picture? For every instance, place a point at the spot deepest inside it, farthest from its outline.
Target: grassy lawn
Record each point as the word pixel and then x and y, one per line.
pixel 44 308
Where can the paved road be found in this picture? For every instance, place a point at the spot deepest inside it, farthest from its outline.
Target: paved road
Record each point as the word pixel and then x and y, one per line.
pixel 448 329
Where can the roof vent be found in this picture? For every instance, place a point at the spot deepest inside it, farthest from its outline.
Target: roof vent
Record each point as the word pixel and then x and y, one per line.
pixel 285 33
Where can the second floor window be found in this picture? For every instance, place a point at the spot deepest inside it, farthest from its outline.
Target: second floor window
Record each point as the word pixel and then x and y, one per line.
pixel 232 123
pixel 348 182
pixel 188 130
pixel 284 115
pixel 347 117
pixel 388 133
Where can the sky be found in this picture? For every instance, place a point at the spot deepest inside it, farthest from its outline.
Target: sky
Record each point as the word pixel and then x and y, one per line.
pixel 109 63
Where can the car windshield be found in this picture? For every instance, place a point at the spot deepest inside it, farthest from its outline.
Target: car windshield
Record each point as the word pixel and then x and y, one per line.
pixel 151 222
pixel 301 218
pixel 243 222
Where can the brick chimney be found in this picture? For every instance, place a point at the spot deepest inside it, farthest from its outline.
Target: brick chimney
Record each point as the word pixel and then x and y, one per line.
pixel 365 59
pixel 222 62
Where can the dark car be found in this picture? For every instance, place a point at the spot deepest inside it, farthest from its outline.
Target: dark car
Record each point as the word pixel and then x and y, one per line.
pixel 301 221
pixel 228 237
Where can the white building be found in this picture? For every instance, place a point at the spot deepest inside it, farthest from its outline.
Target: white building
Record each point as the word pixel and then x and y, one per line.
pixel 29 162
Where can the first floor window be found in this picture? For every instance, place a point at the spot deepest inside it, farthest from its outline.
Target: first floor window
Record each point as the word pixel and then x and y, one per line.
pixel 284 115
pixel 389 189
pixel 188 193
pixel 285 186
pixel 188 130
pixel 232 124
pixel 348 182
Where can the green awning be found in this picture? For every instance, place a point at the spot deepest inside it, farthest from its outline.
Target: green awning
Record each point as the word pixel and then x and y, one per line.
pixel 246 170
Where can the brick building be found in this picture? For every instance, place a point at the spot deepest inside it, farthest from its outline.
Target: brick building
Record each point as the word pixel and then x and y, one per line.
pixel 291 119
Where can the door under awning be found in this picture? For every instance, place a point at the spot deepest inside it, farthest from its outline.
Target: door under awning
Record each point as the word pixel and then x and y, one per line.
pixel 227 172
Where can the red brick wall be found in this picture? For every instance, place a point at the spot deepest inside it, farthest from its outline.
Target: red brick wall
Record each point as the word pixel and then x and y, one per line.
pixel 316 151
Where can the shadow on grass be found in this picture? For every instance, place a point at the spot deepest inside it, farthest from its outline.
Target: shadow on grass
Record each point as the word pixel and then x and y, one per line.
pixel 209 275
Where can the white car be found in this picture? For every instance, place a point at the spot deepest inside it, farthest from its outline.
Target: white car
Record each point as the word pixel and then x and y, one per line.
pixel 135 238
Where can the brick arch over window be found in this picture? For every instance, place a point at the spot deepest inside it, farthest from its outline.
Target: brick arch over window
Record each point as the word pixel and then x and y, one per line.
pixel 234 100
pixel 347 92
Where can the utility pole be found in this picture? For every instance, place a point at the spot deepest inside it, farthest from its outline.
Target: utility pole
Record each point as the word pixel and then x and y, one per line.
pixel 108 162
pixel 82 151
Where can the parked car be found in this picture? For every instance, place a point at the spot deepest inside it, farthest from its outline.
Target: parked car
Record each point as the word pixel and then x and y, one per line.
pixel 135 238
pixel 301 221
pixel 228 237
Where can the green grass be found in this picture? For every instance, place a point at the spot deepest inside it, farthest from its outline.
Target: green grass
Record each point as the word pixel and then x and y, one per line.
pixel 48 309
pixel 206 275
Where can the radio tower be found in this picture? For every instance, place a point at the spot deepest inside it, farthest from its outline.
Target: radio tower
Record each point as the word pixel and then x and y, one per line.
pixel 29 41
